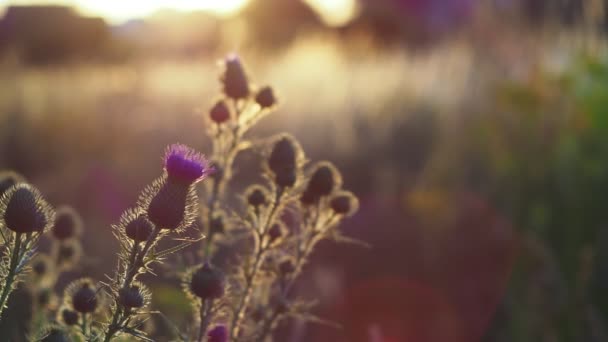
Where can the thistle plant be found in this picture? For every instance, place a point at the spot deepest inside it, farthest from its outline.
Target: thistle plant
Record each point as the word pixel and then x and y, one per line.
pixel 24 216
pixel 243 300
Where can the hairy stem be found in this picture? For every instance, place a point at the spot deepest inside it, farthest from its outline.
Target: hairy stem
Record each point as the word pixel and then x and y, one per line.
pixel 136 262
pixel 250 277
pixel 12 272
pixel 205 316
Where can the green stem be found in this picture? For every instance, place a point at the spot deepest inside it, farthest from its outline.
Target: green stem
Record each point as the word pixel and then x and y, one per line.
pixel 205 316
pixel 12 272
pixel 83 326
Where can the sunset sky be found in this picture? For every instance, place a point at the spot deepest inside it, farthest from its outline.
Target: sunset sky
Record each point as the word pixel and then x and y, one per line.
pixel 116 11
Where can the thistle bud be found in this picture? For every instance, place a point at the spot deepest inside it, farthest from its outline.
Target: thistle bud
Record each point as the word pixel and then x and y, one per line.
pixel 207 282
pixel 344 203
pixel 325 178
pixel 234 79
pixel 69 317
pixel 284 161
pixel 276 232
pixel 67 224
pixel 23 209
pixel 139 228
pixel 256 196
pixel 219 333
pixel 45 297
pixel 133 296
pixel 41 266
pixel 8 179
pixel 265 98
pixel 68 253
pixel 220 113
pixel 83 295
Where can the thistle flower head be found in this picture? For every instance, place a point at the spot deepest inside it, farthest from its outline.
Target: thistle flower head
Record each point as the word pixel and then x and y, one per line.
pixel 265 97
pixel 134 297
pixel 344 203
pixel 43 270
pixel 67 224
pixel 8 179
pixel 184 165
pixel 218 333
pixel 169 205
pixel 207 282
pixel 24 210
pixel 284 161
pixel 83 295
pixel 236 85
pixel 220 112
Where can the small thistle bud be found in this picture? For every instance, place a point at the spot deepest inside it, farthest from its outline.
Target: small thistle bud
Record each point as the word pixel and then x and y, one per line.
pixel 265 98
pixel 219 333
pixel 216 225
pixel 68 252
pixel 234 79
pixel 69 317
pixel 207 282
pixel 344 203
pixel 68 223
pixel 283 161
pixel 8 179
pixel 220 113
pixel 83 296
pixel 132 297
pixel 325 178
pixel 41 265
pixel 287 267
pixel 23 209
pixel 139 229
pixel 56 335
pixel 168 207
pixel 256 196
pixel 184 165
pixel 276 232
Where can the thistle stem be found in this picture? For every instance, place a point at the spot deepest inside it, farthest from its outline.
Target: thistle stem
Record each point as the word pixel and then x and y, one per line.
pixel 205 316
pixel 12 272
pixel 136 262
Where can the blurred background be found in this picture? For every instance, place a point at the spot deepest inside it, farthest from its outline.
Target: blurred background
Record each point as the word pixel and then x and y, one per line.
pixel 475 133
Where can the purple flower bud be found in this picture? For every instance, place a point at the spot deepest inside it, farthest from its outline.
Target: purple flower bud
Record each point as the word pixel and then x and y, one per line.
pixel 220 112
pixel 234 79
pixel 265 98
pixel 325 178
pixel 256 196
pixel 185 165
pixel 219 333
pixel 23 209
pixel 207 282
pixel 68 223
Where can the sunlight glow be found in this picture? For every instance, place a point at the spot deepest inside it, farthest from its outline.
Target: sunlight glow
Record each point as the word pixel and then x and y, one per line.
pixel 121 10
pixel 335 12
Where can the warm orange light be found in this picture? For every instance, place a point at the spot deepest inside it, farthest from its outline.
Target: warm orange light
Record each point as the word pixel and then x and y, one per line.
pixel 335 12
pixel 120 10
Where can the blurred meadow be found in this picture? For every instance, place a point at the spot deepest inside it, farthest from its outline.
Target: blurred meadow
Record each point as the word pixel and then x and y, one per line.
pixel 474 133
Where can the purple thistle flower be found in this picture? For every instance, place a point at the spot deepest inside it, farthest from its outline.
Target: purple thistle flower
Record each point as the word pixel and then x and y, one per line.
pixel 185 165
pixel 219 333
